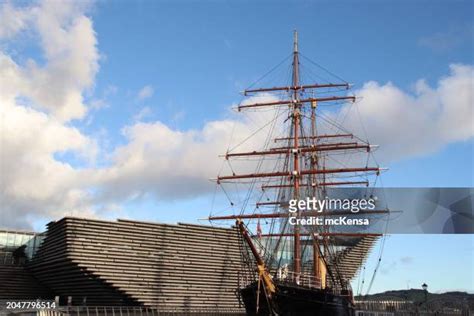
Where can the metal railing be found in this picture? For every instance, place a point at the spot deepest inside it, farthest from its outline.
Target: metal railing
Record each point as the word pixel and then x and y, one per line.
pixel 131 311
pixel 301 279
pixel 8 259
pixel 410 308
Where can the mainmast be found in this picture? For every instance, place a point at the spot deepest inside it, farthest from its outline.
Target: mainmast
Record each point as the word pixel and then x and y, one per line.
pixel 315 185
pixel 296 167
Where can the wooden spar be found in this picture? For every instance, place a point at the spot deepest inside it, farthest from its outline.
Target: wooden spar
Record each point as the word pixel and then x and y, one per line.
pixel 301 150
pixel 323 235
pixel 316 137
pixel 262 271
pixel 296 169
pixel 297 173
pixel 302 214
pixel 270 203
pixel 323 184
pixel 322 145
pixel 303 87
pixel 289 102
pixel 246 236
pixel 316 259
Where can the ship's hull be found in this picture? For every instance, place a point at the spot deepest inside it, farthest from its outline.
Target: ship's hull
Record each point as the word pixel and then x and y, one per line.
pixel 293 300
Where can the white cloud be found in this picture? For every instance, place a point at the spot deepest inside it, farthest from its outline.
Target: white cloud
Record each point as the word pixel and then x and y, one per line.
pixel 178 116
pixel 145 92
pixel 13 20
pixel 173 164
pixel 99 104
pixel 37 103
pixel 415 124
pixel 102 103
pixel 34 182
pixel 447 40
pixel 143 113
pixel 68 42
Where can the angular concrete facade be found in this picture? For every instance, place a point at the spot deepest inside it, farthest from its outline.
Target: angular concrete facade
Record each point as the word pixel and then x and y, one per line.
pixel 175 268
pixel 169 267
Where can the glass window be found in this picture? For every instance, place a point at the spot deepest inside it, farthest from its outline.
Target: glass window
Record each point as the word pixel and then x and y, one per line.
pixel 16 239
pixel 26 239
pixel 10 240
pixel 3 239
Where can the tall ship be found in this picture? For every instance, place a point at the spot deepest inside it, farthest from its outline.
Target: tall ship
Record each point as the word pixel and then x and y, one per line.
pixel 302 152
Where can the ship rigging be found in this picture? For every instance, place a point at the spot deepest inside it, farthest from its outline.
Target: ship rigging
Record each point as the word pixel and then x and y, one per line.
pixel 294 269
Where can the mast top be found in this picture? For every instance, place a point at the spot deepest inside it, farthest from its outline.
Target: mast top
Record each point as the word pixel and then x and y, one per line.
pixel 295 41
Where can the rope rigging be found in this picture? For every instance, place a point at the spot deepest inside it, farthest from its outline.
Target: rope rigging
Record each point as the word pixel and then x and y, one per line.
pixel 280 124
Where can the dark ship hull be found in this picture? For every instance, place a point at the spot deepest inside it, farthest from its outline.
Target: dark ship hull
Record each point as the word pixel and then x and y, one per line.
pixel 293 300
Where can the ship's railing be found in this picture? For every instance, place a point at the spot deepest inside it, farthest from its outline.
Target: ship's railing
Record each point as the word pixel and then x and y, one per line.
pixel 245 278
pixel 311 281
pixel 301 279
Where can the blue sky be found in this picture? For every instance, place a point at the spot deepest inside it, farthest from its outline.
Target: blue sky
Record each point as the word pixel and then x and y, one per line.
pixel 198 56
pixel 214 49
pixel 195 57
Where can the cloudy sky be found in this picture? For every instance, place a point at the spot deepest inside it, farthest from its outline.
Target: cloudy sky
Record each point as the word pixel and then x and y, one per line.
pixel 114 109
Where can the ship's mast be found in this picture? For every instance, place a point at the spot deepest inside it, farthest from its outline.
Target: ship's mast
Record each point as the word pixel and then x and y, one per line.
pixel 298 148
pixel 314 165
pixel 296 167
